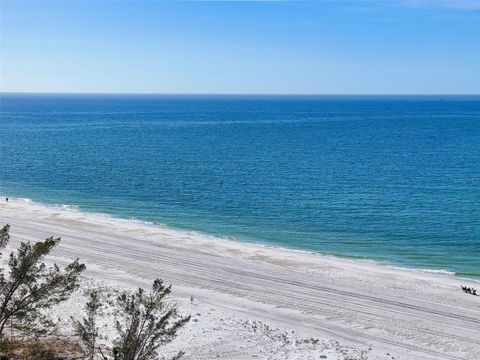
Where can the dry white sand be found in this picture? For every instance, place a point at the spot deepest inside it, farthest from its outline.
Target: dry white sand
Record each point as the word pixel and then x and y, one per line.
pixel 251 301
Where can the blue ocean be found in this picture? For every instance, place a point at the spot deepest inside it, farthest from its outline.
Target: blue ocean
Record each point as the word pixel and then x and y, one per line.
pixel 393 179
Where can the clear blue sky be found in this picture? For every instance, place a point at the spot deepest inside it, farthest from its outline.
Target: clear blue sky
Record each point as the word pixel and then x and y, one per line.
pixel 394 46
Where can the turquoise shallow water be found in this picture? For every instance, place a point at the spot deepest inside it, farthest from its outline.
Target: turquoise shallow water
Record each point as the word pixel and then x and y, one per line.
pixel 393 179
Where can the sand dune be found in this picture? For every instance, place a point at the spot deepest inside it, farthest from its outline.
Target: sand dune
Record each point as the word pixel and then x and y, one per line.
pixel 251 301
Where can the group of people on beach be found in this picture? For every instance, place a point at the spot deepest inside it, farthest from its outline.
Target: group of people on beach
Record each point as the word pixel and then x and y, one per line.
pixel 469 290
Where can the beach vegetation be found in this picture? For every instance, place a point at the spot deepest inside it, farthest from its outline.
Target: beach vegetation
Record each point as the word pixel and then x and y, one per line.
pixel 144 322
pixel 87 329
pixel 4 236
pixel 28 286
pixel 40 349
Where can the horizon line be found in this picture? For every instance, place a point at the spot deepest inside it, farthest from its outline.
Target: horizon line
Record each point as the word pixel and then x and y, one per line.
pixel 227 93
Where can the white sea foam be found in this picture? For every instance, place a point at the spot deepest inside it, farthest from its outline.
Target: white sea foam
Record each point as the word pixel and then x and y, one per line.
pixel 67 207
pixel 429 271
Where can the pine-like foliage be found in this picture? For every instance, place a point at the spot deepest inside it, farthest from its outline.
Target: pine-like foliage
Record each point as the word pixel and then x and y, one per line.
pixel 145 321
pixel 87 329
pixel 4 236
pixel 30 286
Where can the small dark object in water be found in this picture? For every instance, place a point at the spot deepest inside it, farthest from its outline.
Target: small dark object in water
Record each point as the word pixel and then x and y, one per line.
pixel 6 199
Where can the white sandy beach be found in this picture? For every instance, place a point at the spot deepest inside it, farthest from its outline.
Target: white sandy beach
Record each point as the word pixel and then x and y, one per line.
pixel 258 302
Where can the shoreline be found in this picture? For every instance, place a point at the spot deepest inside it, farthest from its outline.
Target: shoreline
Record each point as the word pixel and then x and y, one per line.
pixel 365 310
pixel 367 260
